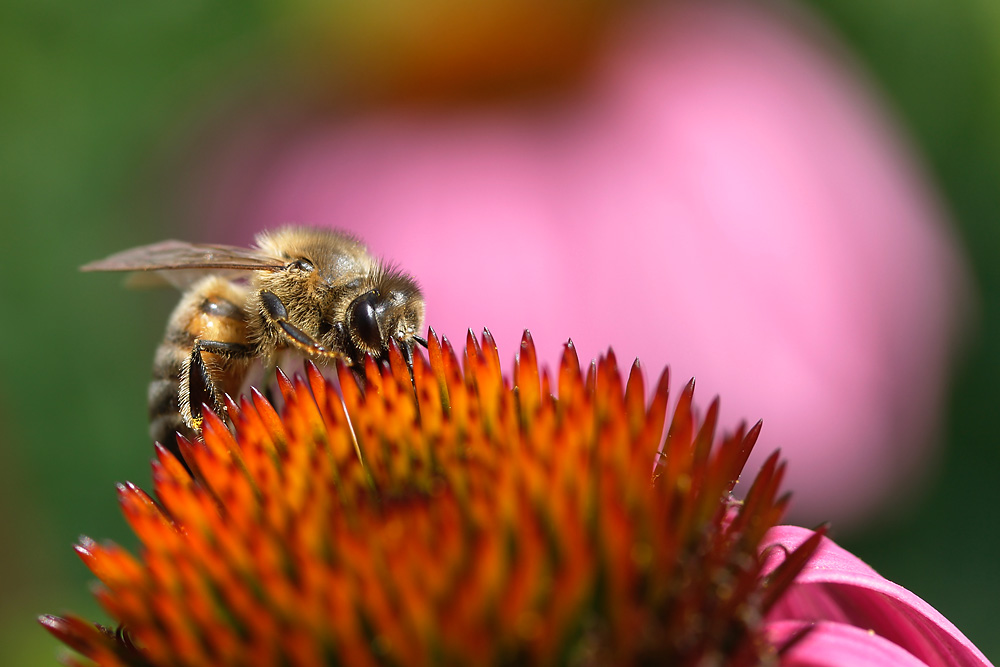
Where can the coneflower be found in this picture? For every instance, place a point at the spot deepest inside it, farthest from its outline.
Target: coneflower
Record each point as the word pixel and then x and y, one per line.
pixel 449 515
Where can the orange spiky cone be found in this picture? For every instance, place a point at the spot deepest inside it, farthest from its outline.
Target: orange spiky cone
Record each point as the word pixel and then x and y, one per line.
pixel 447 516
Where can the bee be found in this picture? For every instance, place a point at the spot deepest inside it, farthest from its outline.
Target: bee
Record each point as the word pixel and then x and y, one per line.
pixel 314 291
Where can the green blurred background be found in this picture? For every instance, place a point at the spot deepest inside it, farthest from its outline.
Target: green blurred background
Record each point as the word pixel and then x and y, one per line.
pixel 95 96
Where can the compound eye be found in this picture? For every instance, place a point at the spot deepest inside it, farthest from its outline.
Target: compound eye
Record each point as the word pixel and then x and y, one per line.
pixel 301 265
pixel 363 322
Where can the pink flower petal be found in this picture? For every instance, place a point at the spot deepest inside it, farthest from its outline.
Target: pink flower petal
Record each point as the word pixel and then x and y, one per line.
pixel 837 586
pixel 837 645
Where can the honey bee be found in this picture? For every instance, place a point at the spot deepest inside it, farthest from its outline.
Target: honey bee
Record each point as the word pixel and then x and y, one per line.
pixel 314 291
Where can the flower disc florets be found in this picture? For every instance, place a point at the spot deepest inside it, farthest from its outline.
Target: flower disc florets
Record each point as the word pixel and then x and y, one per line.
pixel 447 516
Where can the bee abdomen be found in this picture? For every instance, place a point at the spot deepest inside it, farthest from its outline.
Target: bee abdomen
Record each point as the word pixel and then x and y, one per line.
pixel 162 396
pixel 208 312
pixel 218 306
pixel 164 429
pixel 165 420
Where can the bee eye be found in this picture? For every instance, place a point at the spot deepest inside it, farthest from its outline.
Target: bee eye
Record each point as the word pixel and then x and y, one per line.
pixel 363 322
pixel 301 265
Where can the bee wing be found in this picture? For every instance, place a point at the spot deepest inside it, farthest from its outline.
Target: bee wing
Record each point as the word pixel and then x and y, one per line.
pixel 181 264
pixel 182 279
pixel 178 255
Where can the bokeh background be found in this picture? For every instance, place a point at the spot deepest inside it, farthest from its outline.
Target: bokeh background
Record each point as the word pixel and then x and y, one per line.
pixel 110 111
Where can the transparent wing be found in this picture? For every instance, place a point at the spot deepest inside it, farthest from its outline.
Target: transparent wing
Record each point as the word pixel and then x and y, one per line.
pixel 178 255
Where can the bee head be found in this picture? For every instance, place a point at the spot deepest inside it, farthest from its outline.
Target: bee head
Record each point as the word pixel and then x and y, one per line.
pixel 394 308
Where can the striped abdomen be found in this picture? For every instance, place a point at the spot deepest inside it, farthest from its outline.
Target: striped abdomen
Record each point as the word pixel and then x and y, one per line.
pixel 211 310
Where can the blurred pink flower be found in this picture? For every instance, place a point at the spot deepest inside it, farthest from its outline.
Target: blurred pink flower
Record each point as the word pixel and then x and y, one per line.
pixel 721 193
pixel 856 617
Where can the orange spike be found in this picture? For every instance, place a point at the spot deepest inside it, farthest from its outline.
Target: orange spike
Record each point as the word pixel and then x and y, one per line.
pixel 270 419
pixel 231 408
pixel 284 385
pixel 677 448
pixel 591 380
pixel 373 378
pixel 569 371
pixel 435 354
pixel 746 447
pixel 401 372
pixel 526 377
pixel 653 430
pixel 304 397
pixel 350 389
pixel 317 383
pixel 473 354
pixel 450 375
pixel 491 355
pixel 428 395
pixel 142 514
pixel 215 433
pixel 169 463
pixel 761 492
pixel 635 399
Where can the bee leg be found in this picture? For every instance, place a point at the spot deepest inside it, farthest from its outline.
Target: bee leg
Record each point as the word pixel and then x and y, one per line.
pixel 199 385
pixel 407 352
pixel 296 337
pixel 406 349
pixel 198 382
pixel 342 341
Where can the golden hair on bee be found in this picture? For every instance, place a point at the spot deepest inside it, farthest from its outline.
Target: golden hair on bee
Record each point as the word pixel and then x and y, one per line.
pixel 314 291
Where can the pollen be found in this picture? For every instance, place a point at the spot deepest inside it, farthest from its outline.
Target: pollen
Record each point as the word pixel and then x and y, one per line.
pixel 446 513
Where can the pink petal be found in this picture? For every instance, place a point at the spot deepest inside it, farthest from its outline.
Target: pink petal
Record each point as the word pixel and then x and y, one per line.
pixel 837 645
pixel 723 196
pixel 837 586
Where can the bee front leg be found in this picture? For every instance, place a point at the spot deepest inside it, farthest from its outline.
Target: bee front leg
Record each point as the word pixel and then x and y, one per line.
pixel 406 347
pixel 277 315
pixel 200 382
